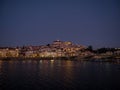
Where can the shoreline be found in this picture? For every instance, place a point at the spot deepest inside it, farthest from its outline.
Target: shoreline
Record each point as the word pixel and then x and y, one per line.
pixel 91 59
pixel 36 58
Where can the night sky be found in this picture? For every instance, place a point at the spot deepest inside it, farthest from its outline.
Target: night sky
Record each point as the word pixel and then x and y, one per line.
pixel 39 22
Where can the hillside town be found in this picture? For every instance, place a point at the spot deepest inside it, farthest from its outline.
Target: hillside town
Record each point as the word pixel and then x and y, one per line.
pixel 58 49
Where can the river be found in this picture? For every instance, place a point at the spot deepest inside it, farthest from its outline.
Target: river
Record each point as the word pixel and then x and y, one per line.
pixel 58 75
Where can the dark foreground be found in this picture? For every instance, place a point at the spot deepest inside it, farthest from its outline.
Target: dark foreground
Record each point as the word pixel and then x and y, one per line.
pixel 59 75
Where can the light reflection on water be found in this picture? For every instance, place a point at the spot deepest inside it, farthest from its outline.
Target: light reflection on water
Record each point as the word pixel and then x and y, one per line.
pixel 59 74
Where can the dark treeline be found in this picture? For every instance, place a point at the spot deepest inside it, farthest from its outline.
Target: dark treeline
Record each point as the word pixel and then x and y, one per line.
pixel 101 50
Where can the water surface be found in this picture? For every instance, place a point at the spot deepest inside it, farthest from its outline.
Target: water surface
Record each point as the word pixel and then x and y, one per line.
pixel 59 74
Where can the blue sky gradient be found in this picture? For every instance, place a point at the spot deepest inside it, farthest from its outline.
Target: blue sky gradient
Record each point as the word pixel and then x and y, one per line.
pixel 36 22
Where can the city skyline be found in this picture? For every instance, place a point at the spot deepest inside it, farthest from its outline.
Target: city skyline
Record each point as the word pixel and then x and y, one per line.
pixel 36 22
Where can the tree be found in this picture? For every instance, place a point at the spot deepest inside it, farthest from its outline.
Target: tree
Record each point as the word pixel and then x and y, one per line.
pixel 90 48
pixel 48 45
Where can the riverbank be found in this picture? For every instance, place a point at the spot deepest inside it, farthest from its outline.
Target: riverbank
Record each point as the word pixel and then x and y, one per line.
pixel 37 58
pixel 95 58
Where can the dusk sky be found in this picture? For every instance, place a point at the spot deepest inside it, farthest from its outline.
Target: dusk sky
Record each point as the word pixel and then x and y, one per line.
pixel 39 22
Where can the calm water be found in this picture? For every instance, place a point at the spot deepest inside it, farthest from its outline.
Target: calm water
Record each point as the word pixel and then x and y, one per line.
pixel 59 74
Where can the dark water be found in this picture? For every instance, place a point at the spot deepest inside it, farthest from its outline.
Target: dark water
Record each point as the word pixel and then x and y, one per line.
pixel 59 74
